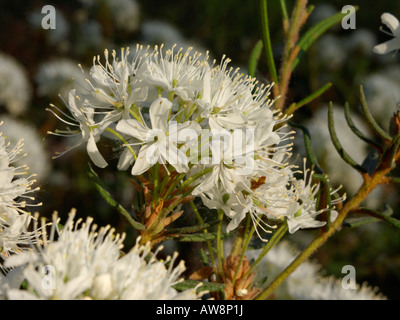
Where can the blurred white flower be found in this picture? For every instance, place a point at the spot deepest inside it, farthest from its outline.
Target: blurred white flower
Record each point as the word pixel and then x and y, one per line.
pixel 382 93
pixel 306 282
pixel 57 77
pixel 86 263
pixel 361 41
pixel 322 11
pixel 37 158
pixel 15 89
pixel 325 151
pixel 57 37
pixel 126 14
pixel 332 51
pixel 330 288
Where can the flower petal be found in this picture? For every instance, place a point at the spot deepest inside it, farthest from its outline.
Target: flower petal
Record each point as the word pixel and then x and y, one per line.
pixel 387 46
pixel 94 153
pixel 133 128
pixel 159 110
pixel 391 22
pixel 141 164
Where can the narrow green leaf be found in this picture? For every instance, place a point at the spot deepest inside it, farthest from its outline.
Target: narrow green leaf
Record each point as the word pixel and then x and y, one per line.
pixel 358 222
pixel 308 99
pixel 202 286
pixel 315 32
pixel 198 237
pixel 266 39
pixel 355 130
pixel 395 180
pixel 343 154
pixel 284 11
pixel 106 196
pixel 370 119
pixel 308 146
pixel 374 216
pixel 204 257
pixel 254 57
pixel 192 229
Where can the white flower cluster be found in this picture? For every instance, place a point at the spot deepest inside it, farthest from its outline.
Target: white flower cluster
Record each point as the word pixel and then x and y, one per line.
pixel 306 282
pixel 14 191
pixel 13 79
pixel 208 122
pixel 86 263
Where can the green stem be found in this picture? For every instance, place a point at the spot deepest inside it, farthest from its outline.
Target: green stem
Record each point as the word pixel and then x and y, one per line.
pixel 244 245
pixel 220 247
pixel 156 169
pixel 267 43
pixel 274 240
pixel 115 133
pixel 201 221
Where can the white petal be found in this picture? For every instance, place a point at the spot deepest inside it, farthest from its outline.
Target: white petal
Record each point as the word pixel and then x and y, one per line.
pixel 391 22
pixel 177 159
pixel 94 153
pixel 141 164
pixel 159 110
pixel 387 46
pixel 133 128
pixel 125 160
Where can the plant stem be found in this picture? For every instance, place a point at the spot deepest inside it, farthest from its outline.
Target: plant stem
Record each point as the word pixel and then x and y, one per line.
pixel 291 51
pixel 201 221
pixel 115 133
pixel 220 246
pixel 274 240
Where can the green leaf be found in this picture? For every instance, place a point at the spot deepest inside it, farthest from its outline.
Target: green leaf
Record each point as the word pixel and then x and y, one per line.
pixel 254 57
pixel 372 216
pixel 308 145
pixel 315 32
pixel 203 286
pixel 355 130
pixel 267 41
pixel 106 196
pixel 192 229
pixel 343 154
pixel 307 100
pixel 370 119
pixel 198 237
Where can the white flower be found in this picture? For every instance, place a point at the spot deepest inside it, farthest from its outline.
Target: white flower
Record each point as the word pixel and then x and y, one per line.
pixel 90 130
pixel 306 282
pixel 14 191
pixel 85 263
pixel 235 206
pixel 57 76
pixel 330 288
pixel 37 158
pixel 394 44
pixel 156 145
pixel 15 89
pixel 302 213
pixel 126 14
pixel 178 72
